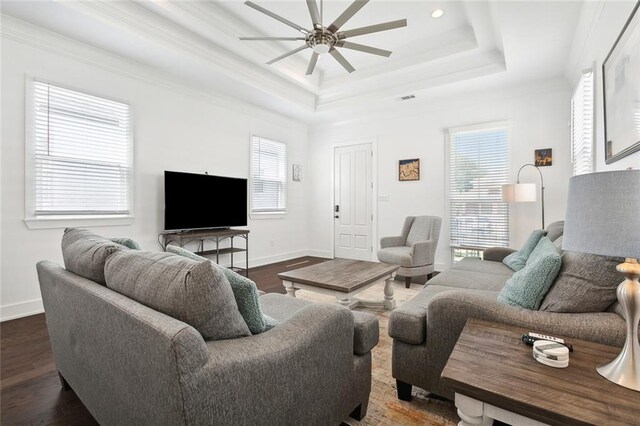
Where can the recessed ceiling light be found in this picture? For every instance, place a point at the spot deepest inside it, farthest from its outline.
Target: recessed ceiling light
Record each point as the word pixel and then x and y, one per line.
pixel 437 13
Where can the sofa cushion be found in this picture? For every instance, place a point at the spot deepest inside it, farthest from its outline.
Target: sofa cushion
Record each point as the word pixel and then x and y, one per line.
pixel 85 253
pixel 366 330
pixel 193 292
pixel 400 255
pixel 476 280
pixel 408 323
pixel 555 230
pixel 473 264
pixel 127 242
pixel 586 283
pixel 528 286
pixel 518 260
pixel 244 290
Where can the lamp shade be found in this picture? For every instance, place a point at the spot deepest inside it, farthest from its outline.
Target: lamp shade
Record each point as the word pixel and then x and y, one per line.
pixel 519 192
pixel 603 214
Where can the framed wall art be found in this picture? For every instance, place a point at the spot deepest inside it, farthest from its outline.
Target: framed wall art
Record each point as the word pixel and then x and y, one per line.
pixel 621 85
pixel 409 169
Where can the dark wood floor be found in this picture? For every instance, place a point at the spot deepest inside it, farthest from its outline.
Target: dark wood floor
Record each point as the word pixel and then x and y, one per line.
pixel 30 391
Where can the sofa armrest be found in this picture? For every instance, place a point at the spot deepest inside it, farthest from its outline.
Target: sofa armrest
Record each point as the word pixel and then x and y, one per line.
pixel 448 312
pixel 423 252
pixel 497 254
pixel 276 370
pixel 391 241
pixel 366 332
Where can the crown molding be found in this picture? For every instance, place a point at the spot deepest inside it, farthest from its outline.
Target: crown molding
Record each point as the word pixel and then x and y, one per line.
pixel 479 65
pixel 40 38
pixel 423 106
pixel 133 17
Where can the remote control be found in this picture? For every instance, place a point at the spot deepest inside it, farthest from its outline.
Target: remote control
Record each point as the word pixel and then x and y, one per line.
pixel 529 338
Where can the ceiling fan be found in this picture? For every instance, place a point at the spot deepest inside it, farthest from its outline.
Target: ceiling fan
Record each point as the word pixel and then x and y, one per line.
pixel 323 39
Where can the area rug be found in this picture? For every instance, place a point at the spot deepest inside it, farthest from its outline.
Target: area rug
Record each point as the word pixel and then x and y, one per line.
pixel 384 406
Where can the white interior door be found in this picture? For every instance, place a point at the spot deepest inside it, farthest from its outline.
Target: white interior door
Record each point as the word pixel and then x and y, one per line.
pixel 353 196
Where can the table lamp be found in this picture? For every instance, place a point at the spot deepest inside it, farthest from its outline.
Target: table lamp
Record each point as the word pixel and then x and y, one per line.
pixel 523 192
pixel 603 218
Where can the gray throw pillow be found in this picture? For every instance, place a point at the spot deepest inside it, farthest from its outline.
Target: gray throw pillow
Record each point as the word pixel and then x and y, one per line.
pixel 518 259
pixel 193 292
pixel 85 253
pixel 127 242
pixel 586 283
pixel 244 291
pixel 527 287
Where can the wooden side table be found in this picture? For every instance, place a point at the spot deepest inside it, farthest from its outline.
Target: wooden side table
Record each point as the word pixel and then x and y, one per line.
pixel 494 376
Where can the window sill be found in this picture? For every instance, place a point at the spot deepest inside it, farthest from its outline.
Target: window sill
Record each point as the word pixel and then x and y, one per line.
pixel 273 215
pixel 60 222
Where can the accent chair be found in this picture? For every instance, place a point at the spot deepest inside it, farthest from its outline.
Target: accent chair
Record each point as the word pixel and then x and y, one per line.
pixel 415 249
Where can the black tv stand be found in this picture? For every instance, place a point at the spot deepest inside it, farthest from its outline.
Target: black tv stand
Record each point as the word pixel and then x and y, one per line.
pixel 215 235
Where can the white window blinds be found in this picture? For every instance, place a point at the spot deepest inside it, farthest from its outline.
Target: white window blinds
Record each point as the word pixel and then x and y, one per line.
pixel 478 167
pixel 582 125
pixel 268 176
pixel 81 155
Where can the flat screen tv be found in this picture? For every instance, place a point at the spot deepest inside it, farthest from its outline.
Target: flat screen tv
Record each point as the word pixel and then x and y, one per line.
pixel 194 201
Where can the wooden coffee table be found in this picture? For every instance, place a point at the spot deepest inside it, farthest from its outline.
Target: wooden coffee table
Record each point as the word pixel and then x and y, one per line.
pixel 494 376
pixel 343 279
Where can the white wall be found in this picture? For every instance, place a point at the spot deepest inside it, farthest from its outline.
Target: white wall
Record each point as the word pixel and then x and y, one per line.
pixel 600 27
pixel 538 118
pixel 172 130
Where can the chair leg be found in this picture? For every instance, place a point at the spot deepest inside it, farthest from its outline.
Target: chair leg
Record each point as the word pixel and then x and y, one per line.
pixel 404 390
pixel 407 282
pixel 63 382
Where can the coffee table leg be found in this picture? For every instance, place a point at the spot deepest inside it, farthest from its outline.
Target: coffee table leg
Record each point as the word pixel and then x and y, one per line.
pixel 291 290
pixel 389 301
pixel 471 412
pixel 345 302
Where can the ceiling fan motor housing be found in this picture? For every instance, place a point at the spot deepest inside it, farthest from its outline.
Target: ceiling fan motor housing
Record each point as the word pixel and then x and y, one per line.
pixel 321 40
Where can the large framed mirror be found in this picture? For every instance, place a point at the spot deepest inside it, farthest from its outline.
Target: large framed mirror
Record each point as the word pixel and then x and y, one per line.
pixel 621 83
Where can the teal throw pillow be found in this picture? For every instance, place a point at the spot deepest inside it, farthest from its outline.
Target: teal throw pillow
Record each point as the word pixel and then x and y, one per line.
pixel 518 259
pixel 528 286
pixel 244 291
pixel 127 242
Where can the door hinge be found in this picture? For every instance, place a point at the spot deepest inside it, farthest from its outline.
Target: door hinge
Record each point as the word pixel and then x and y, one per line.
pixel 371 185
pixel 371 249
pixel 371 218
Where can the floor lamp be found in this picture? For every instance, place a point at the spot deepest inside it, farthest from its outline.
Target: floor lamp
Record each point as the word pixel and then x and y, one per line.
pixel 524 192
pixel 603 218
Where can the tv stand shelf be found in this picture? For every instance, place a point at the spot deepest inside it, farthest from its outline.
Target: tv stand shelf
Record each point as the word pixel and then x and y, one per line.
pixel 182 238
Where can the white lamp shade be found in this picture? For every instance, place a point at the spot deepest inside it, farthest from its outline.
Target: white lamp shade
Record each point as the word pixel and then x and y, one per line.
pixel 519 192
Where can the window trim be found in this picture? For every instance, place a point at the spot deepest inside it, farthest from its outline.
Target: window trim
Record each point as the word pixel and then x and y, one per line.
pixel 272 214
pixel 502 124
pixel 31 220
pixel 592 161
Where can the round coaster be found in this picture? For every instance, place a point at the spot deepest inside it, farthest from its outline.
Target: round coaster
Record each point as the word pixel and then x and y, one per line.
pixel 551 363
pixel 549 348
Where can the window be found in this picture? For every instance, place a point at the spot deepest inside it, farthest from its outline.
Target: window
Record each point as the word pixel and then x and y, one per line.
pixel 80 152
pixel 582 125
pixel 268 176
pixel 478 167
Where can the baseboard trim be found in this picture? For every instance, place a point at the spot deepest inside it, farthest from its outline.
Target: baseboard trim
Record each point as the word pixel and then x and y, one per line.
pixel 266 260
pixel 22 309
pixel 320 253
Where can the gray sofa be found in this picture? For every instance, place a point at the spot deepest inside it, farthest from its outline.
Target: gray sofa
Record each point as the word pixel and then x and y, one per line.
pixel 425 329
pixel 130 364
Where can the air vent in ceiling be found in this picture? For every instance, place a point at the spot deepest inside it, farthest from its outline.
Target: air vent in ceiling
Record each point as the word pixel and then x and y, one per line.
pixel 407 97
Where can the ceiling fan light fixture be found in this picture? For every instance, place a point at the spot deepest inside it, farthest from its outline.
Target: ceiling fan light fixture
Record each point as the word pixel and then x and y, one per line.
pixel 321 48
pixel 437 13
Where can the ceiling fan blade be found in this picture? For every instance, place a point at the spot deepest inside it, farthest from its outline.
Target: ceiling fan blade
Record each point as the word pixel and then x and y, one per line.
pixel 347 66
pixel 312 63
pixel 274 16
pixel 296 50
pixel 347 14
pixel 313 11
pixel 373 29
pixel 363 48
pixel 273 38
